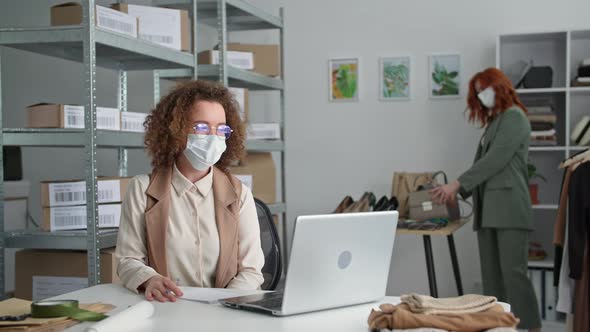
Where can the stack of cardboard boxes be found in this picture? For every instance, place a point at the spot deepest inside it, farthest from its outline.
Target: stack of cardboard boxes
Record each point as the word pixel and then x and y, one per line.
pixel 16 195
pixel 47 115
pixel 165 27
pixel 261 59
pixel 64 208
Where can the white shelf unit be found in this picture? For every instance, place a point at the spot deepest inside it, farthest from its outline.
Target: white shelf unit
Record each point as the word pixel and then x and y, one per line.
pixel 563 51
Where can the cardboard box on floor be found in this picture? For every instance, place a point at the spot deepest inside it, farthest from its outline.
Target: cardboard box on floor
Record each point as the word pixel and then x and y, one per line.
pixel 266 57
pixel 260 167
pixel 163 26
pixel 70 13
pixel 73 192
pixel 54 272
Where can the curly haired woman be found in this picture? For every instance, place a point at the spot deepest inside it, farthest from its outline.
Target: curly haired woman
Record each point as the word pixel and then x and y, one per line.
pixel 190 222
pixel 498 181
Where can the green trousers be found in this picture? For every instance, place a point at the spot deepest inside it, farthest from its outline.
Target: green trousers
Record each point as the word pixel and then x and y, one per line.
pixel 504 257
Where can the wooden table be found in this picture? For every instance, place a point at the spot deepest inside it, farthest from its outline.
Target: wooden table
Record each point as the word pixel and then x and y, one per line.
pixel 447 231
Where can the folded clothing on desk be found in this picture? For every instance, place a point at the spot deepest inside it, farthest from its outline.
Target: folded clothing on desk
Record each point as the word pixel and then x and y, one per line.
pixel 465 304
pixel 467 313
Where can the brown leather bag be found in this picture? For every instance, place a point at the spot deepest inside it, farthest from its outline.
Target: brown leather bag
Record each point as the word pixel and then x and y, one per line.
pixel 403 184
pixel 422 207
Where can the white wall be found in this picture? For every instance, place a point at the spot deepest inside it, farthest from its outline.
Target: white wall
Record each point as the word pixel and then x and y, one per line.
pixel 333 149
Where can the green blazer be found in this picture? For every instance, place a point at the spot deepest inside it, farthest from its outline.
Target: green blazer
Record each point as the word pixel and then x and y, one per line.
pixel 498 179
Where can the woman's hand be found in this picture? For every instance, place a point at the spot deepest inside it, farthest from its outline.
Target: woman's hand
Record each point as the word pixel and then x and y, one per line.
pixel 162 289
pixel 446 193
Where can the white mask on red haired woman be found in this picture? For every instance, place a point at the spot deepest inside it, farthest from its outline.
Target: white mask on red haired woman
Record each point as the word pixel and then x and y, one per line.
pixel 487 97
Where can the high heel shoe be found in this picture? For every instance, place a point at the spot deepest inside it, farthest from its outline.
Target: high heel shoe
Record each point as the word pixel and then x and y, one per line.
pixel 365 203
pixel 381 203
pixel 393 204
pixel 344 204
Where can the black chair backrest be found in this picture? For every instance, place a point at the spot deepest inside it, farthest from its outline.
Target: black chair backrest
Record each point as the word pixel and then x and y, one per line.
pixel 269 238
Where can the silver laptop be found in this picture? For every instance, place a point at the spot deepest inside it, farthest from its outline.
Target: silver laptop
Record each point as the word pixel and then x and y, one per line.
pixel 336 260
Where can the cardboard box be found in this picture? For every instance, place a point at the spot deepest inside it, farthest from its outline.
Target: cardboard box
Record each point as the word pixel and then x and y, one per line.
pixel 70 13
pixel 133 121
pixel 67 218
pixel 240 60
pixel 243 99
pixel 46 273
pixel 108 118
pixel 267 131
pixel 267 59
pixel 69 193
pixel 16 194
pixel 166 27
pixel 261 168
pixel 45 115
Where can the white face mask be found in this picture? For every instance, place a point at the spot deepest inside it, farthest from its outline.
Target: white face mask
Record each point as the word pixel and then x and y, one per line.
pixel 203 151
pixel 487 97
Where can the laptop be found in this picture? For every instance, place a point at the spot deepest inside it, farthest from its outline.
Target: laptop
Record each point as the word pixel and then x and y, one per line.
pixel 336 260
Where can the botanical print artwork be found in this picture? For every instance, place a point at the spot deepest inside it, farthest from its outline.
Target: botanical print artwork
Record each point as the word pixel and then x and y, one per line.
pixel 344 75
pixel 395 78
pixel 445 75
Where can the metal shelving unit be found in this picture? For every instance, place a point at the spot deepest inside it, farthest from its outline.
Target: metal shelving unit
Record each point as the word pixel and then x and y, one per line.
pixel 92 47
pixel 238 15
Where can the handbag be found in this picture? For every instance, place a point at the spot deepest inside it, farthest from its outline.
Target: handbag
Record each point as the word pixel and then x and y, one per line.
pixel 422 207
pixel 403 184
pixel 538 77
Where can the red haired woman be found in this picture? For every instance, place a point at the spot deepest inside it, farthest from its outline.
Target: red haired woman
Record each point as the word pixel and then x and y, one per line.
pixel 498 182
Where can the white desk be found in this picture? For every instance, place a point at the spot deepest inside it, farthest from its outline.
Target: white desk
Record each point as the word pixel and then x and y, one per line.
pixel 193 316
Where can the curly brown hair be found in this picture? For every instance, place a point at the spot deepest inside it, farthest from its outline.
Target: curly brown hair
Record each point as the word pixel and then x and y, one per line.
pixel 166 126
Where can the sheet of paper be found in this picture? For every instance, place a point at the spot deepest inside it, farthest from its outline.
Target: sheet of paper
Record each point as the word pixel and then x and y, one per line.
pixel 48 286
pixel 213 295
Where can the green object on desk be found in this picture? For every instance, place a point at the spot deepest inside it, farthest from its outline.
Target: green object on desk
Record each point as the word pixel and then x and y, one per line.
pixel 64 308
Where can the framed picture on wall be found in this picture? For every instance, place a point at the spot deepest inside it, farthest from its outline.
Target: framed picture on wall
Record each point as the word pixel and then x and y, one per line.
pixel 395 78
pixel 445 75
pixel 344 79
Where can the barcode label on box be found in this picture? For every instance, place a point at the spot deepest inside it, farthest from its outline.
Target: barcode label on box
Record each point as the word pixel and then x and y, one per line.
pixel 47 286
pixel 246 179
pixel 109 215
pixel 74 193
pixel 109 191
pixel 67 193
pixel 158 39
pixel 108 118
pixel 241 60
pixel 74 217
pixel 264 131
pixel 132 121
pixel 73 116
pixel 116 21
pixel 158 25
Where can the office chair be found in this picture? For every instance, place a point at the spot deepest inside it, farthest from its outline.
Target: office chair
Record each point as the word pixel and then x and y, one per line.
pixel 269 238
